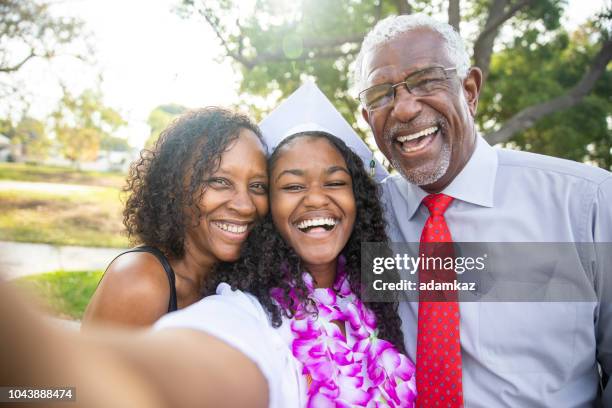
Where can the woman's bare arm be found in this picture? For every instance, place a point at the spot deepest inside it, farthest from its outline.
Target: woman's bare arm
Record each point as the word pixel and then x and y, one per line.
pixel 169 368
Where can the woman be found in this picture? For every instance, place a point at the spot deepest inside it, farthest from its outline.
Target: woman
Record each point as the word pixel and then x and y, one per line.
pixel 301 270
pixel 303 338
pixel 193 201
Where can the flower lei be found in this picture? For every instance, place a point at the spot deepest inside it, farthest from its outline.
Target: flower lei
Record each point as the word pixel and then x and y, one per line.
pixel 357 370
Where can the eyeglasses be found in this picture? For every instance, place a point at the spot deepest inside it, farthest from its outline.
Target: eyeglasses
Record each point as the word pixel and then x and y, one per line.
pixel 420 83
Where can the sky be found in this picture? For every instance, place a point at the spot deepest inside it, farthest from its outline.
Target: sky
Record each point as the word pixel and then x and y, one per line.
pixel 149 56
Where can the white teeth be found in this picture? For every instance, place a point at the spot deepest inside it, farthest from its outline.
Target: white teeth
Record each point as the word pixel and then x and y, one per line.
pixel 315 222
pixel 413 136
pixel 234 228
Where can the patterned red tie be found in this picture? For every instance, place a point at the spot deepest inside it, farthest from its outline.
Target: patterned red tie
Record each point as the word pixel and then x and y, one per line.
pixel 438 368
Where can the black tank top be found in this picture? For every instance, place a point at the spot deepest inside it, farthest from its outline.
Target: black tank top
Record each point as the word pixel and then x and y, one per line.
pixel 164 262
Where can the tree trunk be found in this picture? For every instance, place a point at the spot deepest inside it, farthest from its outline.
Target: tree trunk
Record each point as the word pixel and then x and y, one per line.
pixel 483 48
pixel 528 116
pixel 403 7
pixel 454 14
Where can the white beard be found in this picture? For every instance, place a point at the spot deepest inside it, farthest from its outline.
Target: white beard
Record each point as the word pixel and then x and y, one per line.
pixel 429 172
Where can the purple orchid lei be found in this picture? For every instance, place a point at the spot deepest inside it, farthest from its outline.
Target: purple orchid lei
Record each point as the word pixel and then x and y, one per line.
pixel 358 369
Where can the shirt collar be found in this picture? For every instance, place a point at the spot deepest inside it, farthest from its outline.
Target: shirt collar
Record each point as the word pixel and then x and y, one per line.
pixel 474 184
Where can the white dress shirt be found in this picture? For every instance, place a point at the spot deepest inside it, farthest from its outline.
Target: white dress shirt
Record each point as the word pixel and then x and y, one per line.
pixel 520 354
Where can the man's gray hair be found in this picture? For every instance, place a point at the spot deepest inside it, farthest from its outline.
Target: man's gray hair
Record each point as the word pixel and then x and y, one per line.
pixel 392 26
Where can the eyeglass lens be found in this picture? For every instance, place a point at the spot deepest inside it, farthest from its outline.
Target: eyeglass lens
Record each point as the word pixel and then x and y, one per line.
pixel 420 83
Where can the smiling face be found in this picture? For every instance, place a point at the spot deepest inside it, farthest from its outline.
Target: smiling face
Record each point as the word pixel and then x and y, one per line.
pixel 312 201
pixel 430 138
pixel 236 197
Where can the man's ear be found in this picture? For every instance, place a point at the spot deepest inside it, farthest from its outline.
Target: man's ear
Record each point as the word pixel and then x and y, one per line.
pixel 471 88
pixel 365 115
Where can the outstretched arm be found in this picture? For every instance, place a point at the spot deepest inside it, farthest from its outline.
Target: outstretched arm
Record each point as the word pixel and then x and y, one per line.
pixel 169 368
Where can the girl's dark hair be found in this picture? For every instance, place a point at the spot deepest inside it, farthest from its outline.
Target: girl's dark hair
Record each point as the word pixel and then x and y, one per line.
pixel 267 261
pixel 171 178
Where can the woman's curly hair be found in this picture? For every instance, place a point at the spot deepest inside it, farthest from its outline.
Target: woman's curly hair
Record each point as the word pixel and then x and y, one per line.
pixel 268 262
pixel 171 178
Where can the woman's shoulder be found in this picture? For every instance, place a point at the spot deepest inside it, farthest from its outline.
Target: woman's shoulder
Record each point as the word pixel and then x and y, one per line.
pixel 138 271
pixel 133 291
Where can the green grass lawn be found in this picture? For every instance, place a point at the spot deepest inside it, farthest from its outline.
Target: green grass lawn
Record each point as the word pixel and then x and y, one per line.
pixel 61 214
pixel 53 174
pixel 65 294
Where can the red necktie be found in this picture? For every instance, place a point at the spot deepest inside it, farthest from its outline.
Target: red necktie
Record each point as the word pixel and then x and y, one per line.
pixel 438 367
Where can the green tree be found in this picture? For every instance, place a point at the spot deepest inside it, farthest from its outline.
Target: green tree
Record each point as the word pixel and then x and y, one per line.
pixel 545 71
pixel 82 123
pixel 279 43
pixel 31 134
pixel 7 128
pixel 79 144
pixel 160 118
pixel 114 143
pixel 28 30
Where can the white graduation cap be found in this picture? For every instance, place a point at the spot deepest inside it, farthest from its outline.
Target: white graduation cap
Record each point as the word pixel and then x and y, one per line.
pixel 307 109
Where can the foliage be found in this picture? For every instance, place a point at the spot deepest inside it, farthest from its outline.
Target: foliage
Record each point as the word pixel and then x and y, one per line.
pixel 30 133
pixel 114 143
pixel 160 118
pixel 276 45
pixel 7 128
pixel 78 144
pixel 66 294
pixel 280 44
pixel 543 70
pixel 82 123
pixel 28 29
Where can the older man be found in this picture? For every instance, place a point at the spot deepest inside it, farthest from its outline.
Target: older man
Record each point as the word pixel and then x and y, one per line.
pixel 419 96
